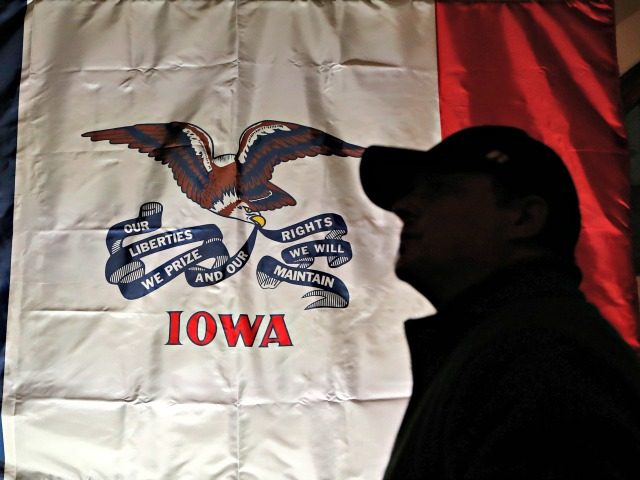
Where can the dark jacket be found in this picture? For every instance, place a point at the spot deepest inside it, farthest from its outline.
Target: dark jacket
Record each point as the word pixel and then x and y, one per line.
pixel 520 378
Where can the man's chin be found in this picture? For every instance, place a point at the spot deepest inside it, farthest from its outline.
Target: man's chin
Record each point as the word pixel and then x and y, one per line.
pixel 406 271
pixel 419 277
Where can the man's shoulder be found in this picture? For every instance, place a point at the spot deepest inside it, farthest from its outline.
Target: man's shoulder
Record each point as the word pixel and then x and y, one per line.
pixel 544 339
pixel 568 319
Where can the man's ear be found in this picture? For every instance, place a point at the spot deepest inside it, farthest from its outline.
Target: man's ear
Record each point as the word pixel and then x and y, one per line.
pixel 529 217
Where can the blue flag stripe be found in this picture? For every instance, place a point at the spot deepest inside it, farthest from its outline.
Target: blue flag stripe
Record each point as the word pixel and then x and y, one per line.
pixel 11 33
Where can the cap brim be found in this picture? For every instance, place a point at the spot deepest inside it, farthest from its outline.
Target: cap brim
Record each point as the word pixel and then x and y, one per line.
pixel 385 172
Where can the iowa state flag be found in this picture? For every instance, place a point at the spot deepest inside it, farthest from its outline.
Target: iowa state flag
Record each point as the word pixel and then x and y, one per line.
pixel 194 283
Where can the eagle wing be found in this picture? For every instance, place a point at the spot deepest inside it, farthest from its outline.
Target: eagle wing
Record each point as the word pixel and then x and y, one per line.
pixel 265 144
pixel 268 197
pixel 185 148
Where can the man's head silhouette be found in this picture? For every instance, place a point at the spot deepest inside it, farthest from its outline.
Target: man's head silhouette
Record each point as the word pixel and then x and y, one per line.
pixel 482 199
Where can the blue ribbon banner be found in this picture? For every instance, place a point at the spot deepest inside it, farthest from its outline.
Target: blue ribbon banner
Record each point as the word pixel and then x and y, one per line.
pixel 126 269
pixel 332 291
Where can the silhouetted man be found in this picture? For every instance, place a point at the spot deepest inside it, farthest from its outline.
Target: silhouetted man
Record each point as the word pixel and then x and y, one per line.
pixel 516 376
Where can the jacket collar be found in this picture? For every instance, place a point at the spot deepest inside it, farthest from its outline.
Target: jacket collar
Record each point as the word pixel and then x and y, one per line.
pixel 539 277
pixel 432 338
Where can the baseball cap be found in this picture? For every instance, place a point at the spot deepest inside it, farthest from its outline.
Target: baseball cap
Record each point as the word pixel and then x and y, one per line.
pixel 520 165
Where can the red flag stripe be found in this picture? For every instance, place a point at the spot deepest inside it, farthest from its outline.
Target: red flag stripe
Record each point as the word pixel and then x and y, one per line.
pixel 550 68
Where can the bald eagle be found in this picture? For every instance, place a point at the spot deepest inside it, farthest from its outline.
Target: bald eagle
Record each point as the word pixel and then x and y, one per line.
pixel 231 185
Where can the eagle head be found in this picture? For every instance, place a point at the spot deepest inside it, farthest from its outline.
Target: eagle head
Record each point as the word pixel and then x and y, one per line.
pixel 244 212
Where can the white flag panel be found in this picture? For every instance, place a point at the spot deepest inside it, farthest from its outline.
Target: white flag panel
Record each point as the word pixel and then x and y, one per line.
pixel 94 386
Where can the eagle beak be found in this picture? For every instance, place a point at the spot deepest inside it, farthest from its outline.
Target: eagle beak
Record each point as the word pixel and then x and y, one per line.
pixel 259 220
